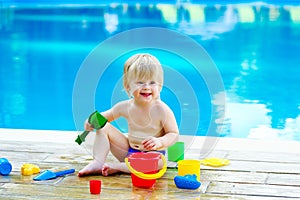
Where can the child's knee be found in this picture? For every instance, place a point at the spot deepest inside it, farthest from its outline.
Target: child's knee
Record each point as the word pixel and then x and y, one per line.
pixel 160 164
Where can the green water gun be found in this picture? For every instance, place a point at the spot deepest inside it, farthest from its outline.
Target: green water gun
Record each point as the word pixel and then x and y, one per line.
pixel 97 120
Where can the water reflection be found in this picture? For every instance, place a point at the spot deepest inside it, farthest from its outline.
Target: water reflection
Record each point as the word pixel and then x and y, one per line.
pixel 13 83
pixel 207 22
pixel 265 79
pixel 255 47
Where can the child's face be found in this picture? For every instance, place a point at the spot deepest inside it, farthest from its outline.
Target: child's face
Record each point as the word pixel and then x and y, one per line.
pixel 145 90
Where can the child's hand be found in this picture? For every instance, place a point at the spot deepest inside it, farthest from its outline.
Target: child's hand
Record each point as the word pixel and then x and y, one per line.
pixel 88 126
pixel 152 143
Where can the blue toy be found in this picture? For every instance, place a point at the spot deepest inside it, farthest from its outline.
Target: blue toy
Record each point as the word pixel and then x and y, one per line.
pixel 5 167
pixel 187 182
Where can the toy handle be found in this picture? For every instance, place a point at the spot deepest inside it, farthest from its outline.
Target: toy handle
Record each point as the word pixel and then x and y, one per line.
pixel 97 120
pixel 61 173
pixel 148 176
pixel 81 138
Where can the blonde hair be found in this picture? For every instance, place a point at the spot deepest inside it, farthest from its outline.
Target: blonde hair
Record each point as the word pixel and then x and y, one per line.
pixel 142 67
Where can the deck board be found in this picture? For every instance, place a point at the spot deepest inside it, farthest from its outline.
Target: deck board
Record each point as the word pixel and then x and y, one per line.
pixel 252 174
pixel 254 189
pixel 265 157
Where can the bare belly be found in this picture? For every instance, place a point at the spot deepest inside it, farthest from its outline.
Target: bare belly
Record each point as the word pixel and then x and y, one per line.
pixel 136 139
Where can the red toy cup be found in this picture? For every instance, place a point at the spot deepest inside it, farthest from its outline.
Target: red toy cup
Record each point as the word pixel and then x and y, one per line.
pixel 95 186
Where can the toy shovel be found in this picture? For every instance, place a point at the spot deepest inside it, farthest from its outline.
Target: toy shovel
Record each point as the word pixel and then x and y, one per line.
pixel 47 174
pixel 97 121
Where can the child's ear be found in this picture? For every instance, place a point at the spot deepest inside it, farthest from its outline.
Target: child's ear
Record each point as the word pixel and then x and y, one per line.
pixel 127 89
pixel 160 87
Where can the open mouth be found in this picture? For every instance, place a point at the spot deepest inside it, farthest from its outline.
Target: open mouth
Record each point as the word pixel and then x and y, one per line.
pixel 145 94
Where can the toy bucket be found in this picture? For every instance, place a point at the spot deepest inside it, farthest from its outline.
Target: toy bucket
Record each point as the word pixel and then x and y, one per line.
pixel 144 168
pixel 190 167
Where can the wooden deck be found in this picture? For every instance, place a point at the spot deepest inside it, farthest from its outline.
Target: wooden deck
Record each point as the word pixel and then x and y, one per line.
pixel 257 170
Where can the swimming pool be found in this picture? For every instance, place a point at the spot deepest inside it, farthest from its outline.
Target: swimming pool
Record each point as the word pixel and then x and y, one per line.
pixel 254 46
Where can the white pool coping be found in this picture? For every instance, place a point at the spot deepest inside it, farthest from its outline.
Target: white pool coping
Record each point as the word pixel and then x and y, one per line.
pixel 193 142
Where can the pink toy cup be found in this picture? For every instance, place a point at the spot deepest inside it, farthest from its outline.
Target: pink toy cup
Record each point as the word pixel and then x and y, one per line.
pixel 95 186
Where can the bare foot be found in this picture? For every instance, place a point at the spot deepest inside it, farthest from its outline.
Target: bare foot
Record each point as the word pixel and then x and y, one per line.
pixel 93 168
pixel 109 169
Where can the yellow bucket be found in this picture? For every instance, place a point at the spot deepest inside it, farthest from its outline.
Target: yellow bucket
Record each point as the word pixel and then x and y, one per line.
pixel 186 167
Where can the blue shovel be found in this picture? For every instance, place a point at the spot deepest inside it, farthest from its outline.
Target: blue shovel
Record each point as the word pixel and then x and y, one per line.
pixel 47 174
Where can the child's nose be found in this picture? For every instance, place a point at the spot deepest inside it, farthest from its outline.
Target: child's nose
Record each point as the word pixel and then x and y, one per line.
pixel 147 85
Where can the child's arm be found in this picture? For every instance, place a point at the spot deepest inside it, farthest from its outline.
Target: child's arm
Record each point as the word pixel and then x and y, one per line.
pixel 110 115
pixel 168 140
pixel 115 112
pixel 170 128
pixel 171 131
pixel 159 143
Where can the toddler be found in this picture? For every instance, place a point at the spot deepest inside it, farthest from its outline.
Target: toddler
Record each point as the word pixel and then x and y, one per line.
pixel 151 123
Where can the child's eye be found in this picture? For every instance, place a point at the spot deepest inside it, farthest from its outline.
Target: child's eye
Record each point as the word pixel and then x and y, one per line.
pixel 152 83
pixel 140 83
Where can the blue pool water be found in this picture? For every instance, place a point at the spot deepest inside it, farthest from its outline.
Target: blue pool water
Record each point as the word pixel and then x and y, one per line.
pixel 255 48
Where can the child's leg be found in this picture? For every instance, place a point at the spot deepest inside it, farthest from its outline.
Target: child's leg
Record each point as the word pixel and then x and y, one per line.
pixel 119 148
pixel 107 139
pixel 95 167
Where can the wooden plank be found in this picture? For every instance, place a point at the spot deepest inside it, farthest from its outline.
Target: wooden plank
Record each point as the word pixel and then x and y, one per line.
pixel 254 189
pixel 38 147
pixel 283 179
pixel 17 191
pixel 196 154
pixel 26 146
pixel 250 175
pixel 42 191
pixel 239 197
pixel 25 157
pixel 233 176
pixel 113 188
pixel 264 157
pixel 254 178
pixel 252 166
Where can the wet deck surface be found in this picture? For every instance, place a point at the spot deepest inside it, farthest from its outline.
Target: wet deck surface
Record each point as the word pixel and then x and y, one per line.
pixel 257 170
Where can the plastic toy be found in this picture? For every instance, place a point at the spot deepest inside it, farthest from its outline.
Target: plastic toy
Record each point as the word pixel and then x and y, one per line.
pixel 187 167
pixel 47 174
pixel 187 182
pixel 95 186
pixel 29 169
pixel 5 167
pixel 97 120
pixel 215 162
pixel 144 168
pixel 176 152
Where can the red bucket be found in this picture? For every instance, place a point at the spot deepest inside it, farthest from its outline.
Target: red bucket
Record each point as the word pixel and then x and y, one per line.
pixel 146 163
